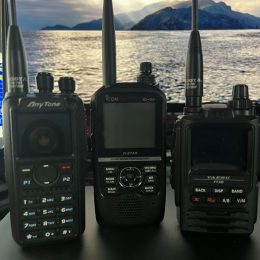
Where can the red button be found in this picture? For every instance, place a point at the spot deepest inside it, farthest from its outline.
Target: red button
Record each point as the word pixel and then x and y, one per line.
pixel 212 200
pixel 66 167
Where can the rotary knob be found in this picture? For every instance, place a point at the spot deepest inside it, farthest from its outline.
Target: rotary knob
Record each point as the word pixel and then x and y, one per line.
pixel 46 175
pixel 146 77
pixel 45 82
pixel 67 85
pixel 241 99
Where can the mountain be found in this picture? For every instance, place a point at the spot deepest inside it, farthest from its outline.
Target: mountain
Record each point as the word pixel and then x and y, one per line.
pixel 92 25
pixel 125 21
pixel 56 28
pixel 180 19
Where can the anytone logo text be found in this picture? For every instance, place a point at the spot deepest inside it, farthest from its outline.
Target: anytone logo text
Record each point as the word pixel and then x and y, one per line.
pixel 45 104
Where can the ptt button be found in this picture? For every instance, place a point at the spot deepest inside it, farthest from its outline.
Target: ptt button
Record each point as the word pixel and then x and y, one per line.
pixel 197 200
pixel 112 190
pixel 226 201
pixel 30 225
pixel 149 189
pixel 212 200
pixel 68 209
pixel 150 179
pixel 49 233
pixel 27 183
pixel 110 180
pixel 29 202
pixel 48 222
pixel 219 191
pixel 66 179
pixel 29 213
pixel 67 221
pixel 66 167
pixel 66 232
pixel 110 170
pixel 66 198
pixel 237 191
pixel 150 169
pixel 201 190
pixel 47 212
pixel 47 200
pixel 241 201
pixel 32 236
pixel 24 170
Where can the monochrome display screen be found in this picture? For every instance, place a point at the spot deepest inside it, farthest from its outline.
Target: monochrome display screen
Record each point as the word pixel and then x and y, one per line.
pixel 129 125
pixel 219 148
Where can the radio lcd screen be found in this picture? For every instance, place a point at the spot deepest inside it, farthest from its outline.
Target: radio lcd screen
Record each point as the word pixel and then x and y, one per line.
pixel 219 148
pixel 129 125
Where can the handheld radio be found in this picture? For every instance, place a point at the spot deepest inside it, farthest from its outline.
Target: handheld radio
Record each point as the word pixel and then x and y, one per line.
pixel 128 122
pixel 214 159
pixel 44 152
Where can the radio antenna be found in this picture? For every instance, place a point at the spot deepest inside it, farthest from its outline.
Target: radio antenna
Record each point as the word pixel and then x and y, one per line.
pixel 108 44
pixel 16 61
pixel 194 66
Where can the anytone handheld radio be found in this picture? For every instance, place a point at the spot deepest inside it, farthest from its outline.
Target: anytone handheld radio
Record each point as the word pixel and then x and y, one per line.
pixel 44 150
pixel 129 142
pixel 214 156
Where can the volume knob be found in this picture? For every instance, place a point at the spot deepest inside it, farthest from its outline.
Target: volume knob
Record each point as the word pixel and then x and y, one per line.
pixel 45 82
pixel 146 77
pixel 67 85
pixel 241 99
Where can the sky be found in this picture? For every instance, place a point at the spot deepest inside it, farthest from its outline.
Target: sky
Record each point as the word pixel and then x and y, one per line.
pixel 35 14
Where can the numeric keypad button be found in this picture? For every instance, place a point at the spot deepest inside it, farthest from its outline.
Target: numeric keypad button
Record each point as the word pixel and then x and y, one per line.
pixel 29 213
pixel 67 221
pixel 48 211
pixel 29 201
pixel 47 200
pixel 49 233
pixel 32 236
pixel 66 232
pixel 48 222
pixel 66 210
pixel 66 198
pixel 30 225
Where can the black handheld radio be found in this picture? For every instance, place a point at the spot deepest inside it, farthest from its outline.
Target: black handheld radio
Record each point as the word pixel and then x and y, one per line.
pixel 128 122
pixel 44 153
pixel 214 159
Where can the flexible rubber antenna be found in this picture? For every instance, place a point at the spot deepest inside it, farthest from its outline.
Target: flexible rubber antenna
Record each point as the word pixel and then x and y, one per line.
pixel 108 44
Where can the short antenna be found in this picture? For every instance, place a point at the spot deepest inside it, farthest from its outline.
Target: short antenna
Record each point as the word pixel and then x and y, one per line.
pixel 16 61
pixel 108 44
pixel 194 66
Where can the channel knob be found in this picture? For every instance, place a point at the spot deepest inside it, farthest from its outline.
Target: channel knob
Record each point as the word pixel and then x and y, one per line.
pixel 67 85
pixel 46 174
pixel 45 82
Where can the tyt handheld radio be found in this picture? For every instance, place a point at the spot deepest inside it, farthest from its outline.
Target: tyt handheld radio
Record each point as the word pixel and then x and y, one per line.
pixel 129 142
pixel 44 153
pixel 214 156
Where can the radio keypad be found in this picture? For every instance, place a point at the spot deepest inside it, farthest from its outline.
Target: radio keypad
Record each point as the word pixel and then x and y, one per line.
pixel 218 196
pixel 142 179
pixel 47 212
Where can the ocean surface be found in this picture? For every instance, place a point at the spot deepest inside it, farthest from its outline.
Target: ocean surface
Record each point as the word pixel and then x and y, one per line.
pixel 230 57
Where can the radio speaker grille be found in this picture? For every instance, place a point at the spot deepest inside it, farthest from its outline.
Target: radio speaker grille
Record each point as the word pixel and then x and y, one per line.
pixel 130 208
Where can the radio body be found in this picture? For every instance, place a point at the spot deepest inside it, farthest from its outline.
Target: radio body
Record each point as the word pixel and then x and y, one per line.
pixel 44 165
pixel 128 122
pixel 214 170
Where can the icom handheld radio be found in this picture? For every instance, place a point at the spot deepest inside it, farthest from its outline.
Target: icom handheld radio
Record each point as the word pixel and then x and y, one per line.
pixel 214 159
pixel 44 152
pixel 128 122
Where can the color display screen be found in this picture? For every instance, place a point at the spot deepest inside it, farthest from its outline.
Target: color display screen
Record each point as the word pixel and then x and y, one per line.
pixel 129 125
pixel 219 148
